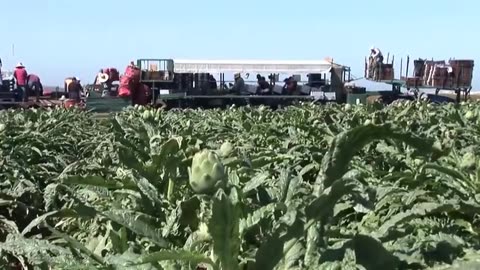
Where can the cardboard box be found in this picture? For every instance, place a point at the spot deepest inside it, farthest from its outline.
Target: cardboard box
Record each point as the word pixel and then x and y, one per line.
pixel 412 81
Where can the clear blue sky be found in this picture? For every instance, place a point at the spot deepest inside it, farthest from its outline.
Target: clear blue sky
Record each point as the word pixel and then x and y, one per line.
pixel 60 38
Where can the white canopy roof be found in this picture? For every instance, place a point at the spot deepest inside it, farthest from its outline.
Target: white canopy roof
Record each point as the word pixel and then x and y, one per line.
pixel 254 66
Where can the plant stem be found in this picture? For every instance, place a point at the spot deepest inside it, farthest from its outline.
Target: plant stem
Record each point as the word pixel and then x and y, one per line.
pixel 171 185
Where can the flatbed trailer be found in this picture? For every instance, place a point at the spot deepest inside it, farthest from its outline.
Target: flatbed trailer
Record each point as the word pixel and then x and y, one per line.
pixel 41 101
pixel 415 84
pixel 210 101
pixel 462 93
pixel 96 102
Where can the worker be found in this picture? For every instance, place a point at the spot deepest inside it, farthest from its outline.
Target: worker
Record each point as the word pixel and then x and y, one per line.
pixel 263 86
pixel 99 77
pixel 212 82
pixel 34 85
pixel 239 85
pixel 376 54
pixel 375 61
pixel 290 86
pixel 20 75
pixel 75 90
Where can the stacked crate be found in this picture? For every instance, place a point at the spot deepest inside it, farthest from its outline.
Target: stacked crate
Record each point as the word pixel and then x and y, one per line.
pixel 440 78
pixel 462 73
pixel 455 74
pixel 412 81
pixel 431 74
pixel 387 72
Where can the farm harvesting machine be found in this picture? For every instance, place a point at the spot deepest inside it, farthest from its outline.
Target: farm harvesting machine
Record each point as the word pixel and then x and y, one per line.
pixel 11 98
pixel 191 83
pixel 57 97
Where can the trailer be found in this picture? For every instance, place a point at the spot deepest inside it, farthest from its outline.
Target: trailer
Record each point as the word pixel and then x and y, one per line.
pixel 192 83
pixel 10 97
pixel 427 75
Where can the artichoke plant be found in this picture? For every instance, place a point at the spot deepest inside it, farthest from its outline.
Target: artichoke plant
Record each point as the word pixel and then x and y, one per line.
pixel 206 173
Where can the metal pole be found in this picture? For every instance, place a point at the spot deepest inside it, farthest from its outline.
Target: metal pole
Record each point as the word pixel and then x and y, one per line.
pixel 401 67
pixel 408 62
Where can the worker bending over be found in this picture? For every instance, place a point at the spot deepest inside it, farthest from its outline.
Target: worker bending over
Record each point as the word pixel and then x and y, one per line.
pixel 290 86
pixel 35 87
pixel 263 86
pixel 20 75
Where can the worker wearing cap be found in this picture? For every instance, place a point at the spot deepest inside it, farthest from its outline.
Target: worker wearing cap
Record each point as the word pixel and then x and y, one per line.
pixel 376 60
pixel 20 74
pixel 239 85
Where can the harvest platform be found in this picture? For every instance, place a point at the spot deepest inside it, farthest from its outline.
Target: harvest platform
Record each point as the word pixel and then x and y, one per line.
pixel 188 83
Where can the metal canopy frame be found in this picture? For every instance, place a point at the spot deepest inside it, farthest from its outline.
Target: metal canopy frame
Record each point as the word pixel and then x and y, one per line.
pixel 253 66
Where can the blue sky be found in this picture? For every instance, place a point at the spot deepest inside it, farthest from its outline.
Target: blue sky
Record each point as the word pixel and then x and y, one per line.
pixel 60 38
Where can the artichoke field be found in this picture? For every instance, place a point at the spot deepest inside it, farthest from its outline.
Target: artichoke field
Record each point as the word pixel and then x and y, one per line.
pixel 304 187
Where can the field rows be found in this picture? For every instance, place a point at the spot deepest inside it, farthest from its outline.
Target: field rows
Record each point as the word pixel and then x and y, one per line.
pixel 305 187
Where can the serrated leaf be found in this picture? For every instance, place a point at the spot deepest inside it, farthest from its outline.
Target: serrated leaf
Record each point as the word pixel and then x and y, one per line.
pixel 224 229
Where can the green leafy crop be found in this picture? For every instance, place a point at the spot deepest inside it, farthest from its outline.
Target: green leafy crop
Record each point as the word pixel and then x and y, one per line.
pixel 302 187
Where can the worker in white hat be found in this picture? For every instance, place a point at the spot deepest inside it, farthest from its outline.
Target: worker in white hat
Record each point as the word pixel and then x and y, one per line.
pixel 21 76
pixel 375 61
pixel 101 78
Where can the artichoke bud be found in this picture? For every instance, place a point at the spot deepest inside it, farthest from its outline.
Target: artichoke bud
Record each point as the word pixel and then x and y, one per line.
pixel 226 149
pixel 468 161
pixel 469 115
pixel 207 172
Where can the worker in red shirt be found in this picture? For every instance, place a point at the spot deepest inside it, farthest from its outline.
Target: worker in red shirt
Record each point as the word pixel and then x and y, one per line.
pixel 34 85
pixel 20 75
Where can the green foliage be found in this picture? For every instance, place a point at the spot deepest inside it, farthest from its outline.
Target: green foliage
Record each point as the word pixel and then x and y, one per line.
pixel 305 187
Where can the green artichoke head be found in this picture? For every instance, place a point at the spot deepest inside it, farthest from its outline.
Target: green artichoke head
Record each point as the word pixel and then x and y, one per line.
pixel 226 149
pixel 468 161
pixel 207 172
